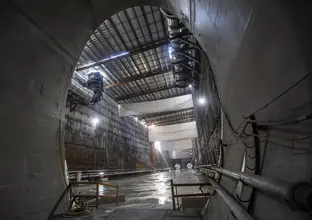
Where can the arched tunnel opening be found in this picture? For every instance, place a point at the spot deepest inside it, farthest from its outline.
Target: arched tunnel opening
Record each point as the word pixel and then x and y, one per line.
pixel 230 88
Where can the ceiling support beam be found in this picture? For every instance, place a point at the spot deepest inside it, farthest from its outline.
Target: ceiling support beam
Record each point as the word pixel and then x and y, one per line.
pixel 138 77
pixel 173 121
pixel 130 96
pixel 159 114
pixel 133 52
pixel 172 118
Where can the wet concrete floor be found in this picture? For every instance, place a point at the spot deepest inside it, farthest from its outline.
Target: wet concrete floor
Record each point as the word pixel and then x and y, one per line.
pixel 151 191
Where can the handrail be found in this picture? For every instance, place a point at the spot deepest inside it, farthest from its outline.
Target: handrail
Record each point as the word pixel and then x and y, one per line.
pixel 92 183
pixel 72 197
pixel 97 195
pixel 105 172
pixel 175 185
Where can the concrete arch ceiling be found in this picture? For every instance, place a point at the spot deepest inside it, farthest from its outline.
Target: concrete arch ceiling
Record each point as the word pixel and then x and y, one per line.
pixel 41 42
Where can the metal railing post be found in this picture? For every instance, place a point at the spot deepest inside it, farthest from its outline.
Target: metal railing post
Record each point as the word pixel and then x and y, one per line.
pixel 237 210
pixel 178 203
pixel 172 193
pixel 117 195
pixel 97 196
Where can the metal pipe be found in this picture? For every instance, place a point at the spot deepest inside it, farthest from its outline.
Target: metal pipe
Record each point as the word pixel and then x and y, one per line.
pixel 298 196
pixel 264 184
pixel 190 195
pixel 237 210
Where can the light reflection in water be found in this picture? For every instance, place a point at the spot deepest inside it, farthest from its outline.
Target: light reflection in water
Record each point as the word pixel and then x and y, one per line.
pixel 161 187
pixel 161 200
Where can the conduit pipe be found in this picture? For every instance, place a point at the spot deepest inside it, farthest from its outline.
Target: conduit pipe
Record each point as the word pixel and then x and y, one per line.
pixel 237 210
pixel 297 196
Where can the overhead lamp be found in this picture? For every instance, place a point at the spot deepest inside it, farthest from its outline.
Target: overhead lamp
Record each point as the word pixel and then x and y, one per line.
pixel 151 126
pixel 94 121
pixel 201 100
pixel 190 86
pixel 170 50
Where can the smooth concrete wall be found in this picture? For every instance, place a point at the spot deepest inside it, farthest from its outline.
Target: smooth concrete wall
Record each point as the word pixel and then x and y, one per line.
pixel 256 48
pixel 40 43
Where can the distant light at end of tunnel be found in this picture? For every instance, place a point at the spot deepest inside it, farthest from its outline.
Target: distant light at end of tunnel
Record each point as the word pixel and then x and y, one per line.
pixel 157 146
pixel 190 86
pixel 202 101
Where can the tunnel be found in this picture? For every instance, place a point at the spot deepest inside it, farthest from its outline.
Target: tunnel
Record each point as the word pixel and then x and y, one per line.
pixel 250 86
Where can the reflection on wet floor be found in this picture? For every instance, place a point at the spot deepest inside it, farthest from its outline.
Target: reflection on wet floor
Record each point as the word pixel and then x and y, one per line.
pixel 149 191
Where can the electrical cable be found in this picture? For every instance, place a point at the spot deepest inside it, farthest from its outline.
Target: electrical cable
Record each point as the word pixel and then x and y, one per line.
pixel 233 131
pixel 283 93
pixel 276 143
pixel 280 123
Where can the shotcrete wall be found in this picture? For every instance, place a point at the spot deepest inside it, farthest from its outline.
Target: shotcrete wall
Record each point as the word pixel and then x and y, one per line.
pixel 112 143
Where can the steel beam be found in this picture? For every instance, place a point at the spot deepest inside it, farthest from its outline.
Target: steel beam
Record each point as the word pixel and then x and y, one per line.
pixel 173 123
pixel 133 95
pixel 190 118
pixel 176 116
pixel 158 114
pixel 133 52
pixel 138 77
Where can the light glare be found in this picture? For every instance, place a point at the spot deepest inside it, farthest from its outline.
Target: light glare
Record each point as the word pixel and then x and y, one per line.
pixel 94 121
pixel 202 100
pixel 105 59
pixel 170 52
pixel 157 146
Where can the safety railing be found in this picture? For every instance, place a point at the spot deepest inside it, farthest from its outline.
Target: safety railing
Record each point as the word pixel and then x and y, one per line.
pixel 88 174
pixel 96 196
pixel 83 205
pixel 176 196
